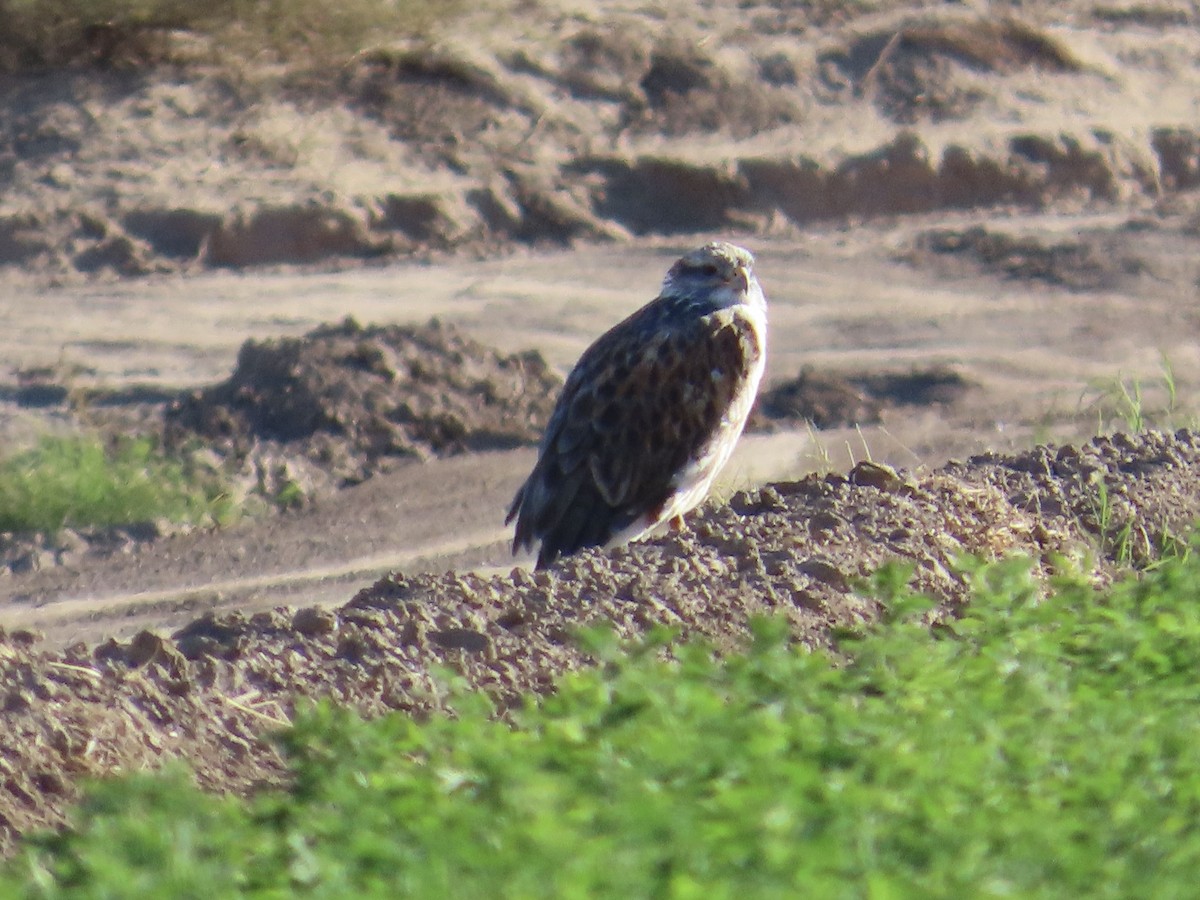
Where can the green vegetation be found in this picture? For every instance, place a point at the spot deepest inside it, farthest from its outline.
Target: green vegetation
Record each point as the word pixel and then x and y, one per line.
pixel 40 33
pixel 79 481
pixel 1046 744
pixel 1115 539
pixel 1122 399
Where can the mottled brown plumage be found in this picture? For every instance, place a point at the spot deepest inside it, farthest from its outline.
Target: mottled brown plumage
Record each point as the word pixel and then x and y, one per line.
pixel 650 412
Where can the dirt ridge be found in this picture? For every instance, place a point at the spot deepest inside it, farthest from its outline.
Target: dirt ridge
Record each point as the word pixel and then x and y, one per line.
pixel 563 130
pixel 617 197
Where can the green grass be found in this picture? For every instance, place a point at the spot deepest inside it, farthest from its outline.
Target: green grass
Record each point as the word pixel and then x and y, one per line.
pixel 41 33
pixel 1046 744
pixel 80 481
pixel 1124 400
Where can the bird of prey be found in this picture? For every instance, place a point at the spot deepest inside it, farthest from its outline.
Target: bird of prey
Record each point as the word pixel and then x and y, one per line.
pixel 650 413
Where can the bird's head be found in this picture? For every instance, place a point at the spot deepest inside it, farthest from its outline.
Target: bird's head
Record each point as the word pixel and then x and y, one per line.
pixel 719 273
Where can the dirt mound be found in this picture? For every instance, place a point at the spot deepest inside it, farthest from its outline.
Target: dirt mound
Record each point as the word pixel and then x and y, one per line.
pixel 210 694
pixel 833 400
pixel 685 91
pixel 434 101
pixel 351 399
pixel 916 71
pixel 302 416
pixel 1094 261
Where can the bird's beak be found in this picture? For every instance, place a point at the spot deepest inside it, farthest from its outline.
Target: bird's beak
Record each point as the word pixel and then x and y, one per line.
pixel 741 279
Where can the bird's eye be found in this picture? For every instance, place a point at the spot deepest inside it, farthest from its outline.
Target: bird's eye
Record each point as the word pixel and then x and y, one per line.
pixel 708 270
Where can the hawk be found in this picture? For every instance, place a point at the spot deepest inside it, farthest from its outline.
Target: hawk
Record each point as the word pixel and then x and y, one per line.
pixel 650 413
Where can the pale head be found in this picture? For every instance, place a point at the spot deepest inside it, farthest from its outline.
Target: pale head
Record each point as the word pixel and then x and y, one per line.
pixel 720 273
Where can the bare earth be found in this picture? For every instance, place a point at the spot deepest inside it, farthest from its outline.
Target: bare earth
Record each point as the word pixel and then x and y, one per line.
pixel 1060 260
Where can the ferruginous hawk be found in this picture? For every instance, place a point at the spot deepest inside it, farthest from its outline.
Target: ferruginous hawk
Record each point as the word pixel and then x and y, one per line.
pixel 651 411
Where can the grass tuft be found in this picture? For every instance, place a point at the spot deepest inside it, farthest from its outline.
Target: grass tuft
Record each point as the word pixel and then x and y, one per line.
pixel 1125 400
pixel 79 482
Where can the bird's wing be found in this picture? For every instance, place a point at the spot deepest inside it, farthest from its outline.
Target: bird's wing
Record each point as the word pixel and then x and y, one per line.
pixel 643 401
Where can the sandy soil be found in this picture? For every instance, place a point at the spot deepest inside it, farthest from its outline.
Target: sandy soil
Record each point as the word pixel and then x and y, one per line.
pixel 1005 208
